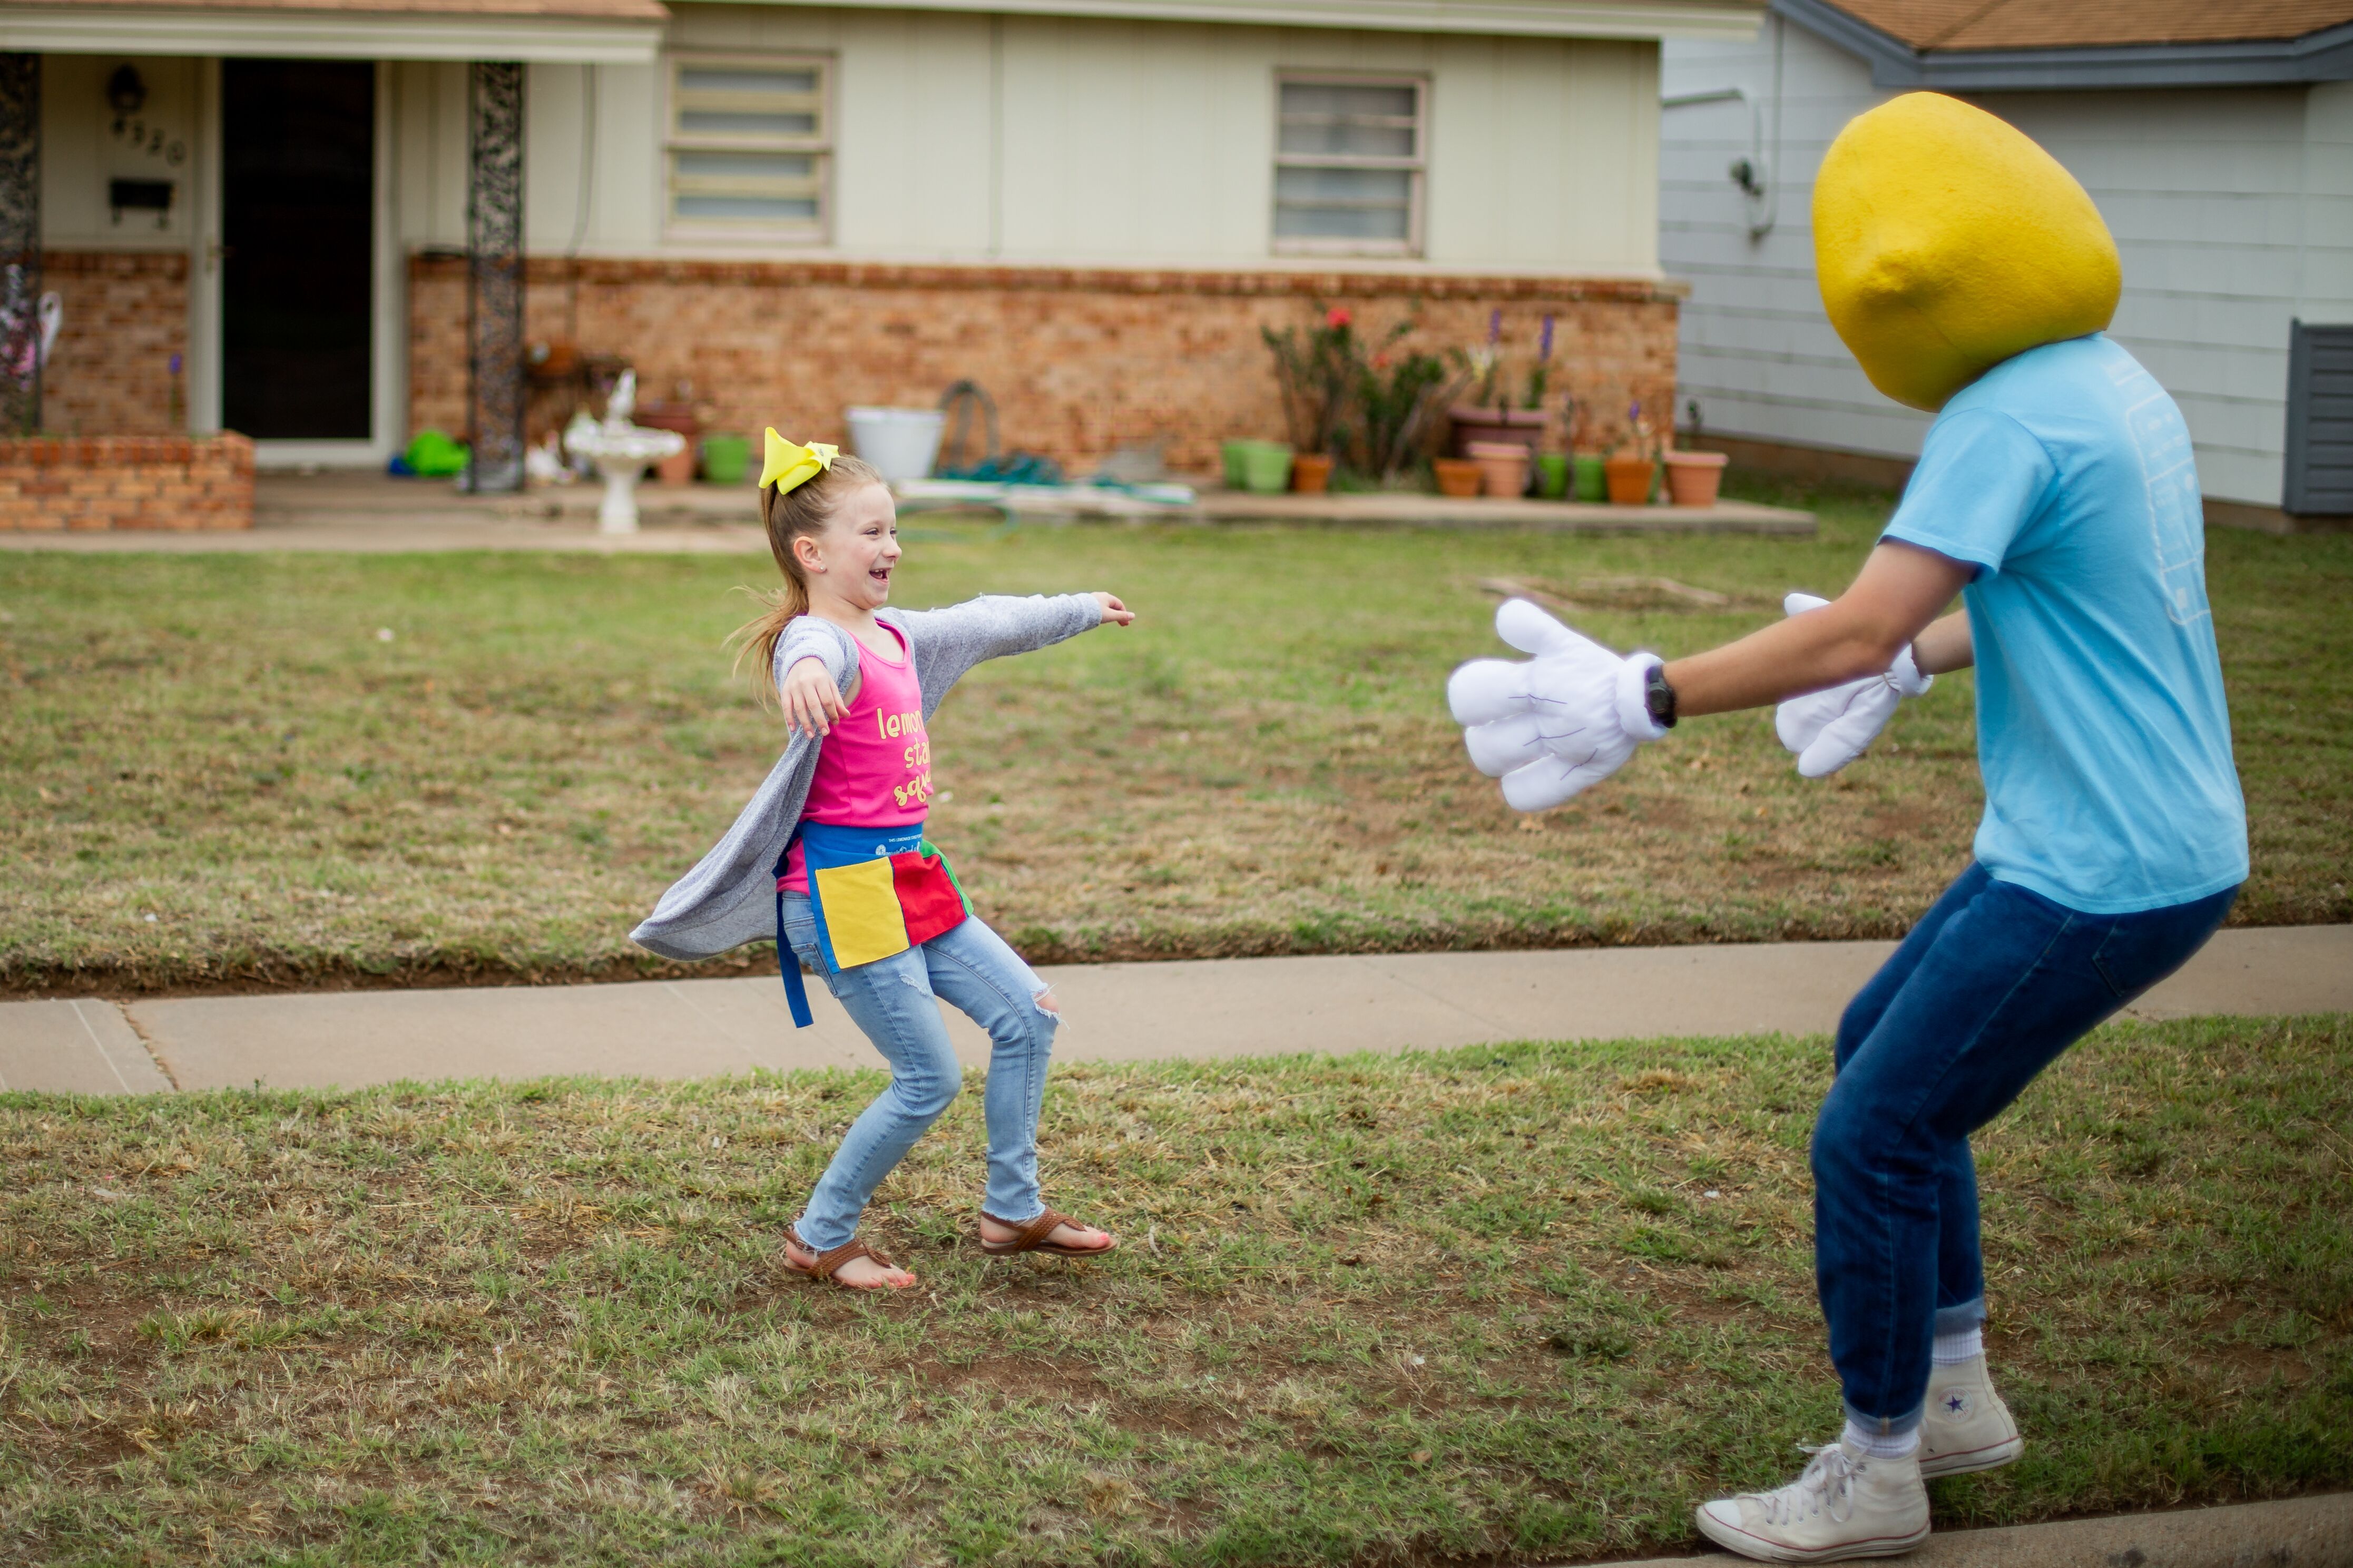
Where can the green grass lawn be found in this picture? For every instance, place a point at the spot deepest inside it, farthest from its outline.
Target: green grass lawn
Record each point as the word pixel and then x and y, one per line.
pixel 1507 1304
pixel 307 768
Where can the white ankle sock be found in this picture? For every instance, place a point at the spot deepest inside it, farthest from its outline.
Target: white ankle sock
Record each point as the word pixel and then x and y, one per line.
pixel 1879 1446
pixel 1951 1350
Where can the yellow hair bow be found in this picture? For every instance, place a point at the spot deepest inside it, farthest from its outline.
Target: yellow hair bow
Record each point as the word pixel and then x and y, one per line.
pixel 788 466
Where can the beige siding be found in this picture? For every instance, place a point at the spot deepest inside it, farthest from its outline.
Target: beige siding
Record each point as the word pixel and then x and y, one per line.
pixel 80 152
pixel 1030 140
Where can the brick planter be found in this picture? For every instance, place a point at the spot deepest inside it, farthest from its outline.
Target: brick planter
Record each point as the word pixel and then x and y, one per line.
pixel 163 482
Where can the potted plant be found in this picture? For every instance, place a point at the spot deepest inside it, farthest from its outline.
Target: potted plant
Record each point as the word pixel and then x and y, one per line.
pixel 681 415
pixel 1489 416
pixel 1588 477
pixel 1587 480
pixel 1395 408
pixel 1632 466
pixel 1552 475
pixel 1266 468
pixel 1552 467
pixel 1316 372
pixel 1459 477
pixel 1502 468
pixel 1694 477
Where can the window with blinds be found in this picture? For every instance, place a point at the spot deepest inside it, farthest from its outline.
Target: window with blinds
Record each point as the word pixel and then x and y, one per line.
pixel 1348 164
pixel 749 148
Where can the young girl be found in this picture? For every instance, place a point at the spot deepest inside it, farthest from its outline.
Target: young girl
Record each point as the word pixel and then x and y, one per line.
pixel 835 839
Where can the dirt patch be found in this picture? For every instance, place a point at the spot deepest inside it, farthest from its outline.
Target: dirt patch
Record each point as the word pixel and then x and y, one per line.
pixel 1011 1377
pixel 109 1326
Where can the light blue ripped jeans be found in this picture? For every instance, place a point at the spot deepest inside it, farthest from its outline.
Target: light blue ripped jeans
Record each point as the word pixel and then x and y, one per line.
pixel 891 999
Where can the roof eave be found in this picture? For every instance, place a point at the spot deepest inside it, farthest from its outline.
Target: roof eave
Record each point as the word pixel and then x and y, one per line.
pixel 2324 55
pixel 62 27
pixel 1734 20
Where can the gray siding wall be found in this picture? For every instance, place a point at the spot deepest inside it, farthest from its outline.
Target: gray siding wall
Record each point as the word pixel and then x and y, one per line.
pixel 2233 209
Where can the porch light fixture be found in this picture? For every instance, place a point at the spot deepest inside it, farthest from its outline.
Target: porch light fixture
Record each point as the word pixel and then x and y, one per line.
pixel 126 90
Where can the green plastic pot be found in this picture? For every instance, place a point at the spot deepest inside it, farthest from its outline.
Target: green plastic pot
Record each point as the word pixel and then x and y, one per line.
pixel 1266 468
pixel 1237 457
pixel 725 458
pixel 434 455
pixel 1591 482
pixel 1552 475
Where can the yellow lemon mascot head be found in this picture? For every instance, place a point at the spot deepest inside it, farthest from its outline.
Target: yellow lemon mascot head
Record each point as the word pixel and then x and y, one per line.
pixel 1947 241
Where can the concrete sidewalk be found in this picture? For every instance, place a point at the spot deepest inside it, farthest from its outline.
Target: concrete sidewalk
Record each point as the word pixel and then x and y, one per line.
pixel 2295 1532
pixel 1115 1012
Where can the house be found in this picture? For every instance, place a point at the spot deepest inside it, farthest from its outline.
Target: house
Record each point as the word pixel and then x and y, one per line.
pixel 2216 136
pixel 328 223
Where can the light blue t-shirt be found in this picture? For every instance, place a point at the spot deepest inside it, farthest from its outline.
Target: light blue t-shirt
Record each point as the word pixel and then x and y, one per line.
pixel 2064 475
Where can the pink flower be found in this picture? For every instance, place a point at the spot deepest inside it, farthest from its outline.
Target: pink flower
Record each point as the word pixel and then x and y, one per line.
pixel 1337 316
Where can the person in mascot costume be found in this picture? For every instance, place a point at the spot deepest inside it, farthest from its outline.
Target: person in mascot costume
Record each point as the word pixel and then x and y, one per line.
pixel 1970 275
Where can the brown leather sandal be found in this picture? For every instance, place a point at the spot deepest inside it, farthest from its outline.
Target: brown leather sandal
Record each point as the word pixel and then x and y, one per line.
pixel 1029 1235
pixel 828 1264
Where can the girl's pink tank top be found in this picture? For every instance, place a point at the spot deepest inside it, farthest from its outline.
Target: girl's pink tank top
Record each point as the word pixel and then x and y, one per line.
pixel 874 769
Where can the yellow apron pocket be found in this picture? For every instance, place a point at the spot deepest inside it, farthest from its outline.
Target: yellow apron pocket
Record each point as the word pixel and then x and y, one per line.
pixel 861 911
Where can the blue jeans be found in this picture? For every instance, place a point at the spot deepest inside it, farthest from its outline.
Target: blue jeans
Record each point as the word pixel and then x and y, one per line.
pixel 891 1000
pixel 1984 993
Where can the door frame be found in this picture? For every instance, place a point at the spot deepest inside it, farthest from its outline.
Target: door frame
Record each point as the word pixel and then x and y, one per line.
pixel 388 291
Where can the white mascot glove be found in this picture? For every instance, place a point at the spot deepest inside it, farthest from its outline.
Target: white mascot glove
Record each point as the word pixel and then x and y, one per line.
pixel 1548 728
pixel 1830 728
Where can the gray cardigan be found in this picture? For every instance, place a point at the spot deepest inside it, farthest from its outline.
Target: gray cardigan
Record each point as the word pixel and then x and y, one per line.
pixel 729 898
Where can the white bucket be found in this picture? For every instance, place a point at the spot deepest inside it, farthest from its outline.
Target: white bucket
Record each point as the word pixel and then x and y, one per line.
pixel 902 443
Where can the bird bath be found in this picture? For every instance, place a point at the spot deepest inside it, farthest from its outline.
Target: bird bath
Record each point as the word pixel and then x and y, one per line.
pixel 622 452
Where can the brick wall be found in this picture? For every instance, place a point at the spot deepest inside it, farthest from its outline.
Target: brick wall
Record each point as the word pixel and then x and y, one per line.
pixel 126 315
pixel 1080 361
pixel 126 481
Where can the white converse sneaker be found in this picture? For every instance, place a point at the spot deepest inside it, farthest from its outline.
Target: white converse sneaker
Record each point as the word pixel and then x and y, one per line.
pixel 1846 1504
pixel 1968 1427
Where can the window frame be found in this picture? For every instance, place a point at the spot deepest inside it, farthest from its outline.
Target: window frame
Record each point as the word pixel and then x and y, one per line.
pixel 819 145
pixel 1417 167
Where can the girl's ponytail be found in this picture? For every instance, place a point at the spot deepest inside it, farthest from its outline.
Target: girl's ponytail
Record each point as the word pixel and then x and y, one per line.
pixel 803 511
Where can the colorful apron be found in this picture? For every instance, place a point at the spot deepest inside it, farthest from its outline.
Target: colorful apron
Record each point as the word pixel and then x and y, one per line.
pixel 874 891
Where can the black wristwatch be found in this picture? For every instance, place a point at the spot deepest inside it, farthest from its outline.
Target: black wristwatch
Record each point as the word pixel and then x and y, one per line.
pixel 1659 698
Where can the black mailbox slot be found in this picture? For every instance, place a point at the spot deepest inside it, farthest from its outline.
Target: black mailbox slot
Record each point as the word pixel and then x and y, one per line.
pixel 141 195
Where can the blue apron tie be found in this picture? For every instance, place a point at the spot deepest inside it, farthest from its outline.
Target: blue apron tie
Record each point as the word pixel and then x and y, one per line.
pixel 796 993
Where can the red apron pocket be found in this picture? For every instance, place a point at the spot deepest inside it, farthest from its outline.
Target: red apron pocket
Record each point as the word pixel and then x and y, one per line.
pixel 928 896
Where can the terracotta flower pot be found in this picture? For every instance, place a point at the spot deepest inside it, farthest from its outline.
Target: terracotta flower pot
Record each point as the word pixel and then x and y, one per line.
pixel 1311 473
pixel 1502 468
pixel 1457 476
pixel 1473 422
pixel 1630 479
pixel 1694 477
pixel 678 416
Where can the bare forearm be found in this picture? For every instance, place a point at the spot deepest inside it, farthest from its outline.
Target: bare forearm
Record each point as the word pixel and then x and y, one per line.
pixel 1945 646
pixel 1894 602
pixel 1804 653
